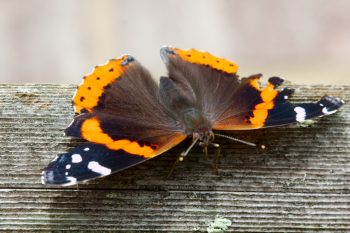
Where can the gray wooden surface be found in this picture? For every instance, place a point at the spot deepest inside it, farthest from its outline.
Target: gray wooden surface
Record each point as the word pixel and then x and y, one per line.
pixel 300 183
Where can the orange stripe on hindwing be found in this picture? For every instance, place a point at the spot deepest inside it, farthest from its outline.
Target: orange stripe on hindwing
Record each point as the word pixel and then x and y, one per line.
pixel 268 94
pixel 91 130
pixel 205 58
pixel 88 93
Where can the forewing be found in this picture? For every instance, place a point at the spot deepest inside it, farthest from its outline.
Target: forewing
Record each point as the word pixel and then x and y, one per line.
pixel 120 115
pixel 93 160
pixel 90 92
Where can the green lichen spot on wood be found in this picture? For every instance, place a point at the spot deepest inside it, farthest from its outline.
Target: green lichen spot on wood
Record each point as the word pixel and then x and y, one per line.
pixel 219 225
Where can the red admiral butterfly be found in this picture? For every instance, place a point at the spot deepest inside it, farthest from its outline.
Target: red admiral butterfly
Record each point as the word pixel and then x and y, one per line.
pixel 127 118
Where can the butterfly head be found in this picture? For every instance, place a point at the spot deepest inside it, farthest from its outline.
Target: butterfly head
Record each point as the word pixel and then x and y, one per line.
pixel 197 126
pixel 205 136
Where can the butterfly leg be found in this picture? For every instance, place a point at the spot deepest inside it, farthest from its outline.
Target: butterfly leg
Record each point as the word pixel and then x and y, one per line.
pixel 181 157
pixel 178 159
pixel 217 157
pixel 205 149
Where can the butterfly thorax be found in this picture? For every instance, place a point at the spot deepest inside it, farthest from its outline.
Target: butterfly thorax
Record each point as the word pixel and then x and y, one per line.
pixel 197 125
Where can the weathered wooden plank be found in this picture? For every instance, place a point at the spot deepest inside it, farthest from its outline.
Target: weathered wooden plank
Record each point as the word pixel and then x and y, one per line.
pixel 171 210
pixel 300 183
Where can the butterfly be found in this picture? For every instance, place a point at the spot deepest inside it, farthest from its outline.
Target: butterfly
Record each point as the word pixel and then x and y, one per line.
pixel 126 117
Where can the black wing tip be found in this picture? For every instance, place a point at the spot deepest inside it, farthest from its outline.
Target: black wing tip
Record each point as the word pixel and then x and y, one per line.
pixel 86 162
pixel 330 104
pixel 50 177
pixel 54 175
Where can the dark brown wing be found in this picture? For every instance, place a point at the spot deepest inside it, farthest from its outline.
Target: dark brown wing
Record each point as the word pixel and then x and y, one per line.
pixel 120 115
pixel 129 99
pixel 212 80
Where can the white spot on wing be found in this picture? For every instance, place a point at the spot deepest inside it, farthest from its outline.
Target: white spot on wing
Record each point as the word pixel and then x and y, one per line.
pixel 71 180
pixel 42 178
pixel 301 114
pixel 66 173
pixel 96 167
pixel 68 166
pixel 86 149
pixel 285 97
pixel 325 111
pixel 76 158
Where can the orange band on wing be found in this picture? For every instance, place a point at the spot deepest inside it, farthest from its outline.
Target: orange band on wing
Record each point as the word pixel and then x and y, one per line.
pixel 91 130
pixel 88 93
pixel 204 58
pixel 255 83
pixel 268 94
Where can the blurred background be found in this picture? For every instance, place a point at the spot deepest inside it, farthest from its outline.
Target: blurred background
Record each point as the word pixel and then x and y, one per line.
pixel 47 41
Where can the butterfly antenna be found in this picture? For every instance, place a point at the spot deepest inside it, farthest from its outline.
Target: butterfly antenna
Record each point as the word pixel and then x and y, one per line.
pixel 183 154
pixel 235 139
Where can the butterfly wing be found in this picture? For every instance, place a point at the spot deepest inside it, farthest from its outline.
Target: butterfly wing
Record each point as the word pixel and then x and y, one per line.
pixel 233 103
pixel 93 160
pixel 121 118
pixel 210 79
pixel 271 107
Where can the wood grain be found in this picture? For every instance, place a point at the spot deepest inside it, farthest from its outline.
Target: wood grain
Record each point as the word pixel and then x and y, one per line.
pixel 300 183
